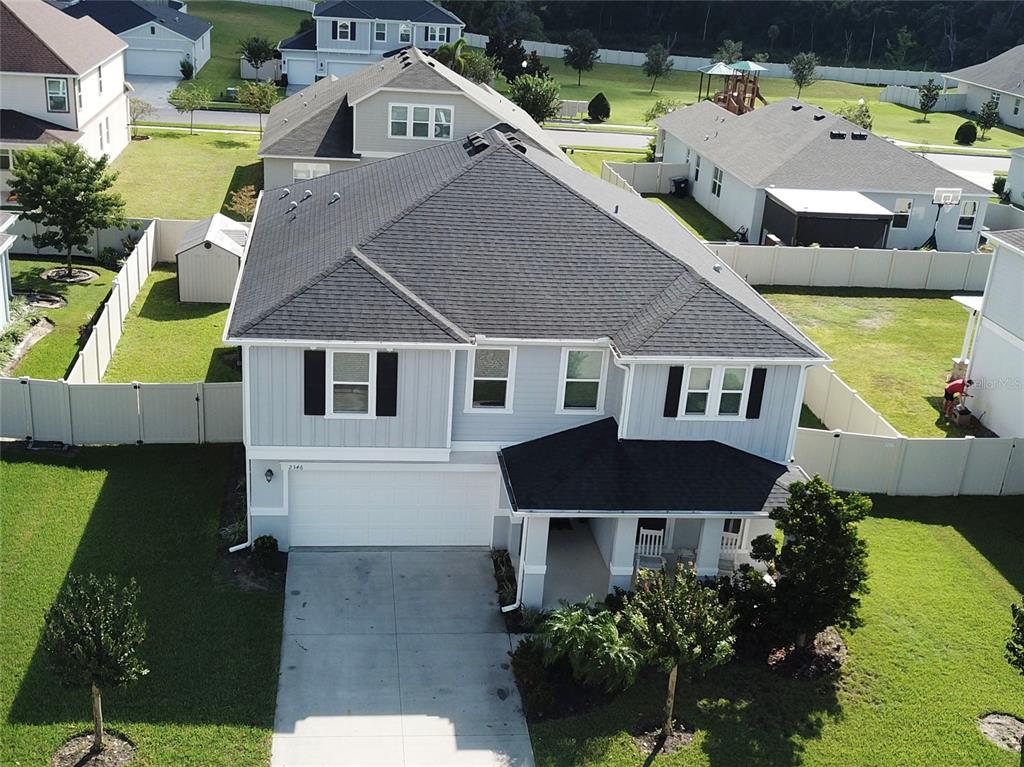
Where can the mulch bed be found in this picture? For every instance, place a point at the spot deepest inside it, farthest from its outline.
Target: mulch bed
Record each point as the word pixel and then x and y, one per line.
pixel 1004 730
pixel 41 300
pixel 34 334
pixel 649 740
pixel 76 752
pixel 76 277
pixel 822 657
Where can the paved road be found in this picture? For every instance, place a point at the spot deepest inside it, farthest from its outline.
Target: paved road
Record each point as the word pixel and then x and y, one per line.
pixel 979 170
pixel 396 658
pixel 155 90
pixel 599 138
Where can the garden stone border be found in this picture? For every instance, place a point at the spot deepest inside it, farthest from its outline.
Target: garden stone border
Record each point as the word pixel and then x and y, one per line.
pixel 40 299
pixel 78 276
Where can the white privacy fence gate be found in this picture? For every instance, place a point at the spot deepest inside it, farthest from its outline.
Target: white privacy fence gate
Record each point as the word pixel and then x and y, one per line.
pixel 119 414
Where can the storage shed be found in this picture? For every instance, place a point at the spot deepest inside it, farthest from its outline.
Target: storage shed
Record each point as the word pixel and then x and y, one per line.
pixel 209 256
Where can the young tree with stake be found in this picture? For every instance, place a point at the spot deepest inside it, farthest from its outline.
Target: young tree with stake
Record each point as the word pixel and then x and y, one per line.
pixel 928 96
pixel 257 51
pixel 189 99
pixel 988 117
pixel 803 68
pixel 259 98
pixel 67 193
pixel 92 636
pixel 138 109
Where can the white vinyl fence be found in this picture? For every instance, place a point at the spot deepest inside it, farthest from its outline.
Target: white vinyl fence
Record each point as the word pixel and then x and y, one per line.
pixel 1001 217
pixel 643 177
pixel 298 5
pixel 856 267
pixel 860 75
pixel 911 97
pixel 912 466
pixel 269 70
pixel 23 229
pixel 840 407
pixel 569 108
pixel 120 414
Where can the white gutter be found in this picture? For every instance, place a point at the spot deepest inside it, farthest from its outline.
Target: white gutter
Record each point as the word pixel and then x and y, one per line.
pixel 248 516
pixel 627 391
pixel 522 570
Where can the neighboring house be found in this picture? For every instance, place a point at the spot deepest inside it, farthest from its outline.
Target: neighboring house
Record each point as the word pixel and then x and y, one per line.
pixel 1015 177
pixel 350 34
pixel 159 34
pixel 403 103
pixel 997 358
pixel 6 288
pixel 794 174
pixel 479 344
pixel 1000 78
pixel 61 79
pixel 208 258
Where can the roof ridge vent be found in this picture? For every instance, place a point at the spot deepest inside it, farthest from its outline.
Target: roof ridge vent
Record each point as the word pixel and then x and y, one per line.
pixel 837 134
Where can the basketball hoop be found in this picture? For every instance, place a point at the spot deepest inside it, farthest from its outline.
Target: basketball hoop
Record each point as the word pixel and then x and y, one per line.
pixel 946 196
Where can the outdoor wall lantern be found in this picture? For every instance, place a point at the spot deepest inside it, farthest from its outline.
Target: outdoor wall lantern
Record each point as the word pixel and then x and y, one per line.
pixel 269 474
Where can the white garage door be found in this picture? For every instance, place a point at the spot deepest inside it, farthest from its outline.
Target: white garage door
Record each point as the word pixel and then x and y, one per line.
pixel 391 507
pixel 164 63
pixel 301 72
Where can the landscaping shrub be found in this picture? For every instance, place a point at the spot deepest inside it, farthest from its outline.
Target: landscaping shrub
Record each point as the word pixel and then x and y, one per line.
pixel 187 69
pixel 599 109
pixel 967 133
pixel 753 601
pixel 999 185
pixel 505 575
pixel 588 637
pixel 23 317
pixel 264 551
pixel 110 258
pixel 535 687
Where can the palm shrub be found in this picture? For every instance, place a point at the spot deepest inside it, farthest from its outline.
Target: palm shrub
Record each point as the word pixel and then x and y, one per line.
pixel 599 109
pixel 589 638
pixel 92 636
pixel 187 69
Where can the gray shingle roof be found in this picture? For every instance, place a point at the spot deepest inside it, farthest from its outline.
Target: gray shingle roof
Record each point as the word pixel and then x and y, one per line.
pixel 122 15
pixel 1004 73
pixel 789 144
pixel 501 242
pixel 36 37
pixel 387 10
pixel 1013 237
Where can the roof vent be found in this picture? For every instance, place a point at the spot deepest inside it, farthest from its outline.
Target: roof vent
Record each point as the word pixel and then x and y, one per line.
pixel 292 206
pixel 515 143
pixel 284 193
pixel 307 194
pixel 717 267
pixel 819 117
pixel 797 107
pixel 477 143
pixel 859 136
pixel 406 64
pixel 334 198
pixel 837 134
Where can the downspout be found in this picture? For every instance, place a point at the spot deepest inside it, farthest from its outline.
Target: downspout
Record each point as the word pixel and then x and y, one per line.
pixel 627 386
pixel 248 515
pixel 522 570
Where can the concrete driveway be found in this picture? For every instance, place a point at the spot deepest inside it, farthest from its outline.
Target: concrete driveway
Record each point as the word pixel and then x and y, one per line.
pixel 396 657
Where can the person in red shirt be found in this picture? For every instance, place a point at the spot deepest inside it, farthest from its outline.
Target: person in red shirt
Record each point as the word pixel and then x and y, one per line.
pixel 954 390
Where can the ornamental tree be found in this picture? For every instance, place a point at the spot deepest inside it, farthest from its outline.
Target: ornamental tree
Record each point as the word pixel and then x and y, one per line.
pixel 259 98
pixel 138 109
pixel 537 96
pixel 243 202
pixel 657 64
pixel 803 69
pixel 68 193
pixel 858 114
pixel 680 626
pixel 928 96
pixel 660 108
pixel 988 117
pixel 478 66
pixel 92 636
pixel 256 50
pixel 822 565
pixel 581 53
pixel 189 99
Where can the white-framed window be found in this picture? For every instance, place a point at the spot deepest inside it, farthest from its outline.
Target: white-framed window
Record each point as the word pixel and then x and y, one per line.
pixel 99 77
pixel 714 391
pixel 56 94
pixel 420 121
pixel 303 171
pixel 1016 106
pixel 995 97
pixel 405 33
pixel 351 384
pixel 696 168
pixel 968 212
pixel 901 215
pixel 490 380
pixel 733 526
pixel 716 182
pixel 78 93
pixel 581 381
pixel 380 31
pixel 341 30
pixel 436 34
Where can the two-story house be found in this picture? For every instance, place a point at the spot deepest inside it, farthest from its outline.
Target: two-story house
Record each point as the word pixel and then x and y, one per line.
pixel 159 33
pixel 1000 79
pixel 478 344
pixel 791 173
pixel 348 35
pixel 61 79
pixel 405 102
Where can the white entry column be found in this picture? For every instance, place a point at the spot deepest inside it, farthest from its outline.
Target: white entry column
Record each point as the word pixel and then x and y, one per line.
pixel 623 553
pixel 709 549
pixel 533 560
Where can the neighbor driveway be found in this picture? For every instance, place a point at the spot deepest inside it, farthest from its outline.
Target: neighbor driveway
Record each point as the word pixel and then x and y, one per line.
pixel 396 657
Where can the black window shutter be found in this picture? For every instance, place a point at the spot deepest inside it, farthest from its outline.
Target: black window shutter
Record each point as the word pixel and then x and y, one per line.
pixel 352 30
pixel 314 382
pixel 387 383
pixel 675 383
pixel 756 393
pixel 448 35
pixel 334 30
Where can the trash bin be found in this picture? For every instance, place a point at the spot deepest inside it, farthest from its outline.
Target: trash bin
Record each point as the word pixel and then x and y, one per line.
pixel 680 186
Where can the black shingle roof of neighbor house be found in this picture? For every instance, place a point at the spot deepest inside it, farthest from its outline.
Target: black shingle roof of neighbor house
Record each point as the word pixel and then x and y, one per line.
pixel 303 41
pixel 589 469
pixel 793 145
pixel 1013 237
pixel 121 15
pixel 1003 73
pixel 18 127
pixel 387 10
pixel 491 236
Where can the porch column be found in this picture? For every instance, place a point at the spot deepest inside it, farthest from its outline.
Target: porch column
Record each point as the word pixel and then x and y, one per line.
pixel 623 553
pixel 709 549
pixel 533 560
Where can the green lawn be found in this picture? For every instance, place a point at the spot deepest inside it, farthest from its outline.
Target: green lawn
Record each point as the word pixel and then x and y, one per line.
pixel 51 356
pixel 177 175
pixel 232 22
pixel 165 341
pixel 590 160
pixel 927 662
pixel 694 216
pixel 907 124
pixel 212 648
pixel 894 347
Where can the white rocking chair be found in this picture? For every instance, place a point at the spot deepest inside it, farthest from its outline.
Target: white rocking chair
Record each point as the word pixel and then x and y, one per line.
pixel 649 546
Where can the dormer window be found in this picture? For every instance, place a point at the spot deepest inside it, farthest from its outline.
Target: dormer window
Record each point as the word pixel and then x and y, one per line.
pixel 341 30
pixel 405 33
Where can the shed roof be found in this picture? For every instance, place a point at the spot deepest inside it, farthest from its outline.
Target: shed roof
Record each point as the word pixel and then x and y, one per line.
pixel 218 230
pixel 36 37
pixel 1004 72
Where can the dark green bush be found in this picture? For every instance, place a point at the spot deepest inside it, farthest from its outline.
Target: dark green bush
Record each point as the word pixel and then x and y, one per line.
pixel 967 133
pixel 264 551
pixel 110 258
pixel 599 109
pixel 187 69
pixel 535 685
pixel 999 185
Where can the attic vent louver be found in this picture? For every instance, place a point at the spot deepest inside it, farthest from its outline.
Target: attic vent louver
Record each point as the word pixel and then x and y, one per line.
pixel 859 136
pixel 837 134
pixel 819 117
pixel 797 107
